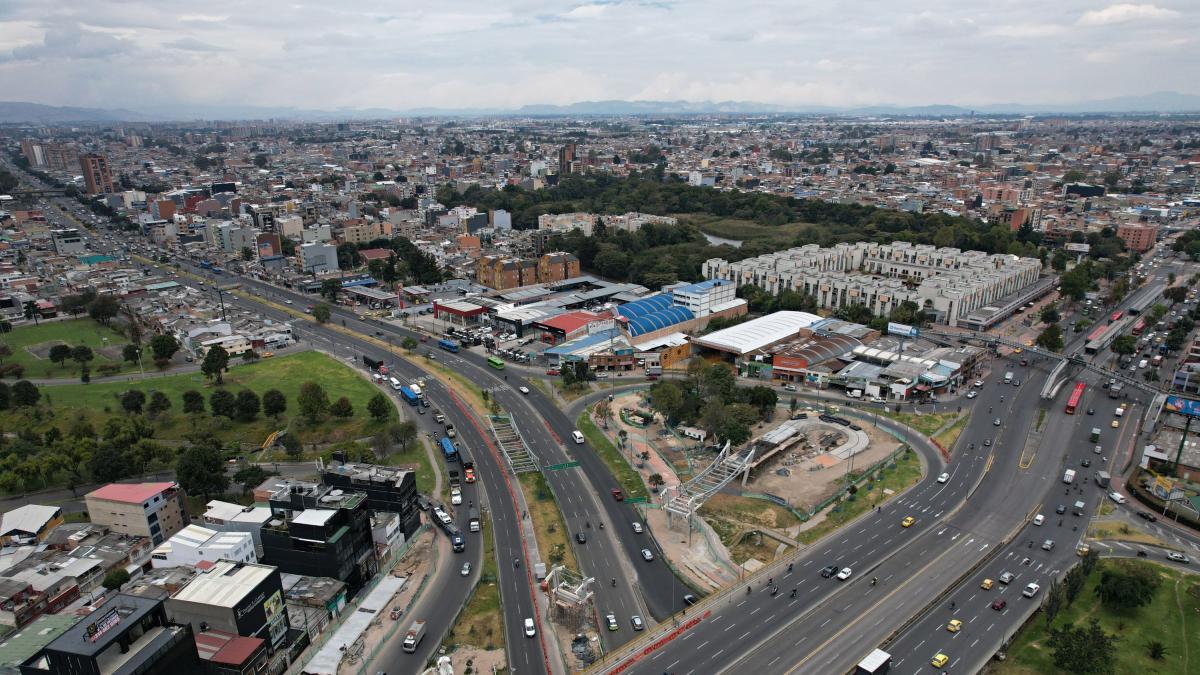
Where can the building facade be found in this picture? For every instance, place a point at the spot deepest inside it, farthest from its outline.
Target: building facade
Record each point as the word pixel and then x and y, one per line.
pixel 318 258
pixel 97 176
pixel 1138 237
pixel 192 544
pixel 388 489
pixel 153 510
pixel 322 532
pixel 240 598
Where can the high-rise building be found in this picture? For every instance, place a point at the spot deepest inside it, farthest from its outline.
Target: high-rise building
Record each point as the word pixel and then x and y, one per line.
pixel 566 155
pixel 96 173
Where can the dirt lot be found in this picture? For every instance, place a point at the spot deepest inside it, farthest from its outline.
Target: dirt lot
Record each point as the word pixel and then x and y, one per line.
pixel 478 660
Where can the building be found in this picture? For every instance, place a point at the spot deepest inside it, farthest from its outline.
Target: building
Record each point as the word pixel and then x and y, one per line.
pixel 29 524
pixel 554 267
pixel 193 544
pixel 706 297
pixel 1138 237
pixel 566 157
pixel 319 531
pixel 268 245
pixel 153 510
pixel 229 654
pixel 318 258
pixel 68 242
pixel 96 174
pixel 503 273
pixel 20 603
pixel 126 634
pixel 239 598
pixel 388 489
pixel 757 334
pixel 227 517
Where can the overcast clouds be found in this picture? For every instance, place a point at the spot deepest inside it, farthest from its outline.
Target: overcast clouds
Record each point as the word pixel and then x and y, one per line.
pixel 462 53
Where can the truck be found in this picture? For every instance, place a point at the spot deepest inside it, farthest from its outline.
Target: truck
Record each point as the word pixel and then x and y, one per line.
pixel 876 663
pixel 206 264
pixel 438 416
pixel 1102 478
pixel 449 345
pixel 1095 435
pixel 854 393
pixel 1069 476
pixel 416 389
pixel 1008 377
pixel 450 430
pixel 473 519
pixel 1116 390
pixel 455 489
pixel 416 631
pixel 370 363
pixel 654 370
pixel 409 396
pixel 457 542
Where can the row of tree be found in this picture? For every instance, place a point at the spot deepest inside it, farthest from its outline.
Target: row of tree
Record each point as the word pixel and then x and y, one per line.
pixel 710 398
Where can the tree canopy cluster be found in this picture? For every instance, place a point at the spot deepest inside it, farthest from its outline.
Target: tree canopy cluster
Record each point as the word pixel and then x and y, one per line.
pixel 710 398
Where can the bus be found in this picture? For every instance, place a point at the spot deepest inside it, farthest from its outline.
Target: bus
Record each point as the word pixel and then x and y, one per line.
pixel 1139 326
pixel 448 450
pixel 496 362
pixel 449 345
pixel 1116 316
pixel 1076 397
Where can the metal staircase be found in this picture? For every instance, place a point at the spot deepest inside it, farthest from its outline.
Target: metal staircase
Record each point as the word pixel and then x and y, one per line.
pixel 520 460
pixel 685 498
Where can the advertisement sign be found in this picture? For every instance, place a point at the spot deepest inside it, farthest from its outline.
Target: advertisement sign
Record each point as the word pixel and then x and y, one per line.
pixel 1182 406
pixel 1163 486
pixel 901 330
pixel 1078 248
pixel 103 624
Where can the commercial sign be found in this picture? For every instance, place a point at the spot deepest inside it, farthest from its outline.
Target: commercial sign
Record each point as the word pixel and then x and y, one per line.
pixel 1163 487
pixel 1183 406
pixel 901 330
pixel 103 624
pixel 1078 248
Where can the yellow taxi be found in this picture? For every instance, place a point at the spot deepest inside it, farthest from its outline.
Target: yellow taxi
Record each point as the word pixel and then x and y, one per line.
pixel 1115 424
pixel 267 355
pixel 939 660
pixel 1083 550
pixel 986 585
pixel 954 626
pixel 908 521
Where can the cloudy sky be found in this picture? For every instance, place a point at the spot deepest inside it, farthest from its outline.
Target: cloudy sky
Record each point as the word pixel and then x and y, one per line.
pixel 497 53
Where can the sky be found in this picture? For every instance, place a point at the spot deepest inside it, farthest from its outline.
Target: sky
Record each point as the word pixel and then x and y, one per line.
pixel 402 54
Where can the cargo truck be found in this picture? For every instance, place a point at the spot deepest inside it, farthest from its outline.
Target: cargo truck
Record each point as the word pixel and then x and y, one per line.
pixel 876 663
pixel 473 519
pixel 412 638
pixel 410 397
pixel 1102 478
pixel 1069 476
pixel 1095 435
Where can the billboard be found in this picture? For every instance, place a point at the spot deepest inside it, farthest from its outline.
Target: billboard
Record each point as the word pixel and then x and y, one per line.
pixel 1078 248
pixel 901 330
pixel 1182 406
pixel 1163 486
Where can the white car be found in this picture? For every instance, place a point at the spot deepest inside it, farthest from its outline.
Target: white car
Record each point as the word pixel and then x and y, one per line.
pixel 844 574
pixel 972 394
pixel 1031 590
pixel 523 390
pixel 943 478
pixel 1116 497
pixel 1177 557
pixel 466 569
pixel 1039 519
pixel 530 631
pixel 637 528
pixel 978 383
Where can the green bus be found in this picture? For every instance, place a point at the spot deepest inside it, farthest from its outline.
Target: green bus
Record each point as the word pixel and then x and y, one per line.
pixel 496 362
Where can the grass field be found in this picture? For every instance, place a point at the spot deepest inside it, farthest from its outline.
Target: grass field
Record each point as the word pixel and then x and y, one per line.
pixel 1172 618
pixel 926 423
pixel 30 345
pixel 479 625
pixel 625 474
pixel 98 401
pixel 949 435
pixel 907 471
pixel 548 526
pixel 733 517
pixel 744 230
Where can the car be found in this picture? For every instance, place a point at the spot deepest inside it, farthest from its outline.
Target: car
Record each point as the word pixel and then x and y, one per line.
pixel 690 599
pixel 610 620
pixel 1085 462
pixel 637 623
pixel 1178 557
pixel 789 387
pixel 466 569
pixel 1097 450
pixel 1016 383
pixel 288 302
pixel 1146 515
pixel 1031 589
pixel 1048 545
pixel 1117 497
pixel 1007 577
pixel 908 521
pixel 1083 550
pixel 996 422
pixel 999 604
pixel 523 390
pixel 1115 424
pixel 1091 411
pixel 553 372
pixel 844 574
pixel 978 383
pixel 987 584
pixel 647 555
pixel 581 537
pixel 943 478
pixel 637 528
pixel 939 660
pixel 972 394
pixel 954 626
pixel 529 629
pixel 617 494
pixel 1039 519
pixel 1061 509
pixel 829 570
pixel 987 442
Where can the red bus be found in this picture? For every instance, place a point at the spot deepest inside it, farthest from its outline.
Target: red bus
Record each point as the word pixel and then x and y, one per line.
pixel 1116 316
pixel 1076 397
pixel 1139 326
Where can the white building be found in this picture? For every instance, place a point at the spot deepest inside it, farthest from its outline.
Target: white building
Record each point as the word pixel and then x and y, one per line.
pixel 227 517
pixel 193 544
pixel 947 283
pixel 318 258
pixel 68 242
pixel 706 297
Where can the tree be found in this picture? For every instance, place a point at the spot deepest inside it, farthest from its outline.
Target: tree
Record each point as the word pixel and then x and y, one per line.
pixel 25 394
pixel 107 464
pixel 250 476
pixel 379 407
pixel 131 353
pixel 59 354
pixel 250 355
pixel 1051 338
pixel 1124 344
pixel 402 433
pixel 31 311
pixel 1050 315
pixel 1082 650
pixel 163 347
pixel 1073 176
pixel 321 313
pixel 330 289
pixel 313 402
pixel 132 401
pixel 104 308
pixel 5 396
pixel 1127 587
pixel 291 445
pixel 1157 311
pixel 159 404
pixel 81 354
pixel 193 402
pixel 274 403
pixel 215 362
pixel 341 408
pixel 222 402
pixel 656 481
pixel 201 468
pixel 115 579
pixel 1156 650
pixel 603 411
pixel 409 343
pixel 247 406
pixel 1176 293
pixel 1056 599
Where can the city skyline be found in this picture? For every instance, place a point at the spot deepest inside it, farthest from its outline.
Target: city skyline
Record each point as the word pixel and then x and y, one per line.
pixel 159 57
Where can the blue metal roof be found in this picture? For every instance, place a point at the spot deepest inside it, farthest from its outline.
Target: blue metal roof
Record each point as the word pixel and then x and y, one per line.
pixel 652 322
pixel 654 303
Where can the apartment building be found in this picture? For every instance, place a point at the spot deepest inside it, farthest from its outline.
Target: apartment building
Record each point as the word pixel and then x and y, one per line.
pixel 154 510
pixel 318 258
pixel 560 266
pixel 1138 237
pixel 96 174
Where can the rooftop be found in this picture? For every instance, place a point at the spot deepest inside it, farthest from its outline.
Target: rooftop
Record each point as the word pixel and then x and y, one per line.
pixel 28 519
pixel 758 333
pixel 130 493
pixel 30 640
pixel 225 583
pixel 122 608
pixel 315 517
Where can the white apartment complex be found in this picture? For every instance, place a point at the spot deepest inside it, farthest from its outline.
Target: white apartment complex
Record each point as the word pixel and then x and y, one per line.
pixel 586 222
pixel 947 283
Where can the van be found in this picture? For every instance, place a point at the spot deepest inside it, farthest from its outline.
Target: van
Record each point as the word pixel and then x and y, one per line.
pixel 395 383
pixel 1008 378
pixel 854 393
pixel 577 436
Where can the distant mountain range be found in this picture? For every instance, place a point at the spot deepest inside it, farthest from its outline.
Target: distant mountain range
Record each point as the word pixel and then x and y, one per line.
pixel 17 112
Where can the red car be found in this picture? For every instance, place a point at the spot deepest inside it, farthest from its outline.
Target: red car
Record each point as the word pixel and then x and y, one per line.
pixel 552 371
pixel 999 605
pixel 618 495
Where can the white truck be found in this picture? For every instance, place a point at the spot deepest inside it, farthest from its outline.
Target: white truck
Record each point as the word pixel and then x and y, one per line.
pixel 412 638
pixel 1069 476
pixel 1008 377
pixel 854 393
